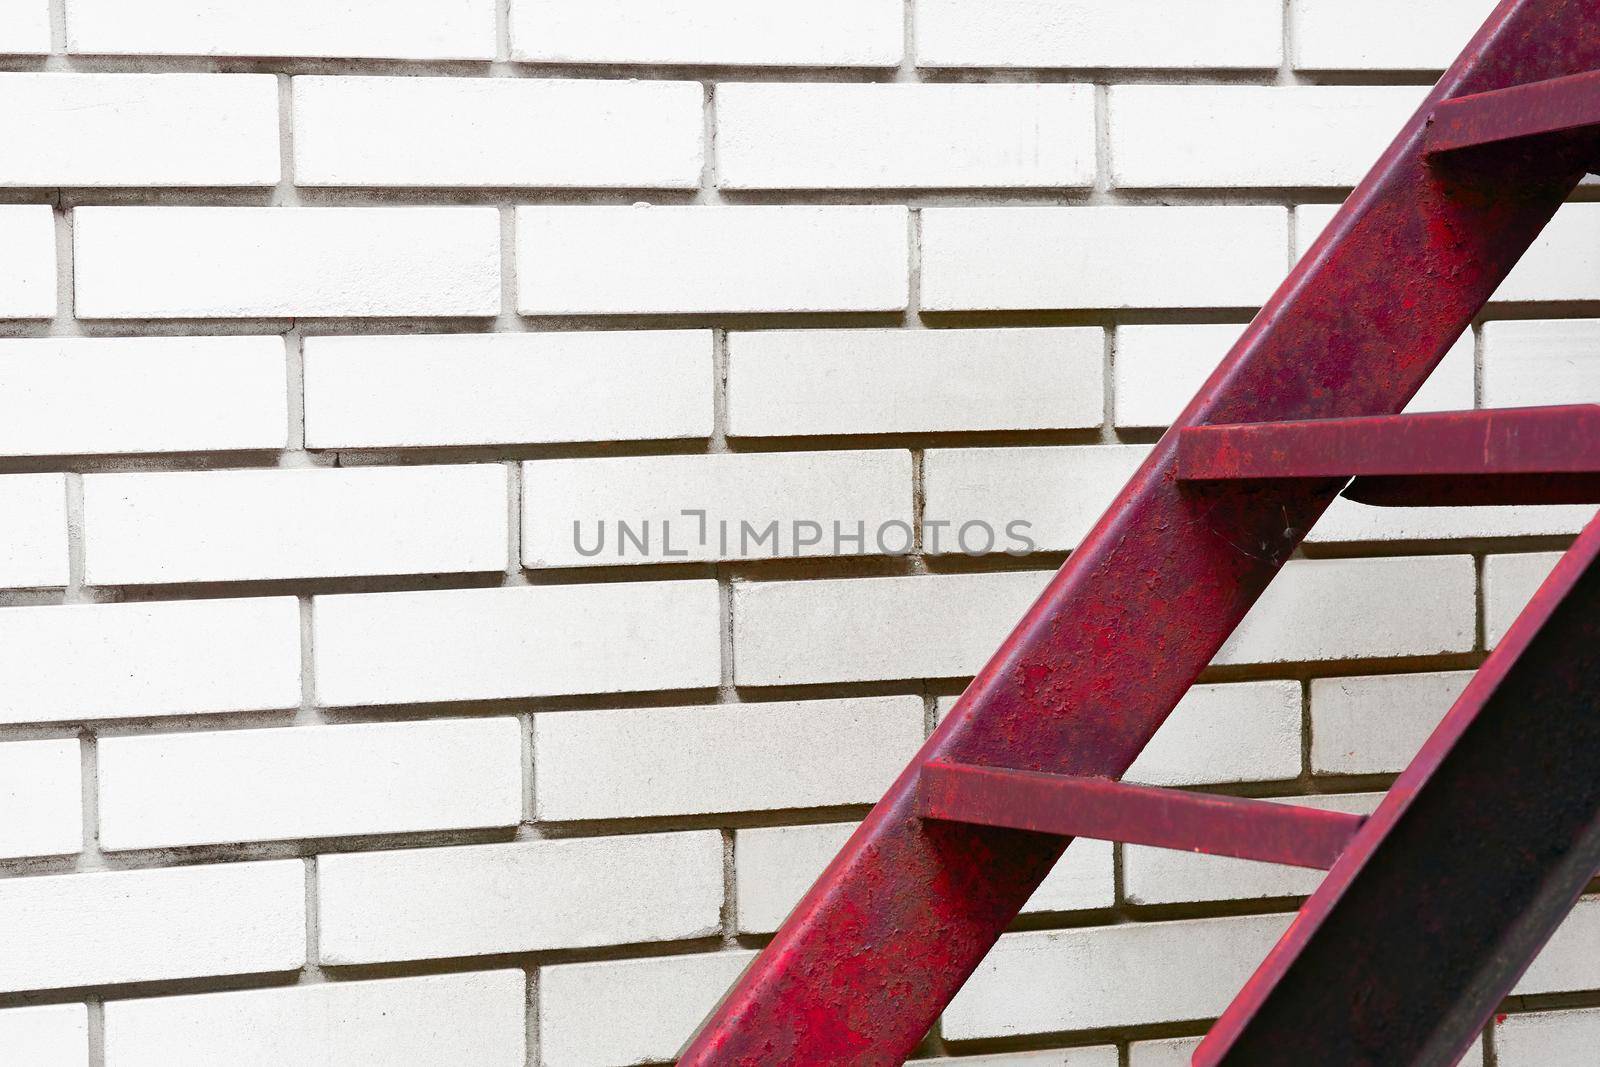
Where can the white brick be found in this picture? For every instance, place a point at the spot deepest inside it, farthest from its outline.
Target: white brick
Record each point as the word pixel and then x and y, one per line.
pixel 1547 1038
pixel 1020 258
pixel 692 761
pixel 497 132
pixel 400 1022
pixel 486 644
pixel 803 382
pixel 41 792
pixel 1057 492
pixel 62 396
pixel 1093 1056
pixel 170 790
pixel 1509 582
pixel 139 129
pixel 480 389
pixel 776 866
pixel 574 511
pixel 378 907
pixel 679 259
pixel 1374 35
pixel 375 29
pixel 1218 734
pixel 885 136
pixel 1300 136
pixel 1176 1052
pixel 146 926
pixel 1534 363
pixel 1348 521
pixel 259 262
pixel 54 1035
pixel 1376 724
pixel 1159 369
pixel 25 27
pixel 1130 975
pixel 27 261
pixel 1356 608
pixel 1171 876
pixel 866 629
pixel 1093 33
pixel 33 530
pixel 629 1011
pixel 211 526
pixel 792 33
pixel 181 657
pixel 1569 961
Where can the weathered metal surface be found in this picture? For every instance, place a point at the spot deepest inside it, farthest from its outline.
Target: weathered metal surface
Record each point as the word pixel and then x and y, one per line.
pixel 1474 857
pixel 907 910
pixel 1547 455
pixel 1135 814
pixel 1559 105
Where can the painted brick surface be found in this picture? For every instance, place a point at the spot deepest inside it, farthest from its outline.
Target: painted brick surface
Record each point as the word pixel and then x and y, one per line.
pixel 258 785
pixel 1546 1037
pixel 904 136
pixel 33 551
pixel 1538 362
pixel 1509 582
pixel 496 132
pixel 486 899
pixel 41 790
pixel 25 27
pixel 1371 35
pixel 52 1035
pixel 252 262
pixel 27 262
pixel 1375 724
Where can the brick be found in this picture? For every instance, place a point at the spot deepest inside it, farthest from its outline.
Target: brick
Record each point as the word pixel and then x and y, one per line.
pixel 1091 33
pixel 1376 724
pixel 480 389
pixel 629 1011
pixel 648 762
pixel 486 644
pixel 52 1035
pixel 1568 962
pixel 33 534
pixel 682 259
pixel 139 129
pixel 1546 1038
pixel 497 132
pixel 1170 876
pixel 790 33
pixel 869 629
pixel 25 28
pixel 1012 258
pixel 244 525
pixel 1349 522
pixel 1370 35
pixel 260 262
pixel 1167 136
pixel 181 657
pixel 155 925
pixel 1093 1056
pixel 1130 975
pixel 1534 363
pixel 354 29
pixel 1052 495
pixel 1509 582
pixel 906 136
pixel 27 261
pixel 65 396
pixel 1159 369
pixel 379 907
pixel 606 511
pixel 1221 734
pixel 776 865
pixel 407 1022
pixel 1174 1052
pixel 812 382
pixel 172 790
pixel 41 790
pixel 1358 608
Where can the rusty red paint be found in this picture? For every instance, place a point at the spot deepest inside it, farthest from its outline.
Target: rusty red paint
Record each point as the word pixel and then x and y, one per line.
pixel 861 969
pixel 1135 814
pixel 1559 105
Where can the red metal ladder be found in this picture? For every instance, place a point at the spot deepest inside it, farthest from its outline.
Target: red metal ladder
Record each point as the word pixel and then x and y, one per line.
pixel 1436 903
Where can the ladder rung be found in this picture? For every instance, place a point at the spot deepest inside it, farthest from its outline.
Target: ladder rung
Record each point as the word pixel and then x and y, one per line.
pixel 1548 455
pixel 1137 815
pixel 1559 105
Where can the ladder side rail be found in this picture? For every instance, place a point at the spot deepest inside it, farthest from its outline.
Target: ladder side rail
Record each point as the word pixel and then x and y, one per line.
pixel 860 970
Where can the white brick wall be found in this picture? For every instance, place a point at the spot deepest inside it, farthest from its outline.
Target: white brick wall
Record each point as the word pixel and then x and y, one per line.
pixel 321 323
